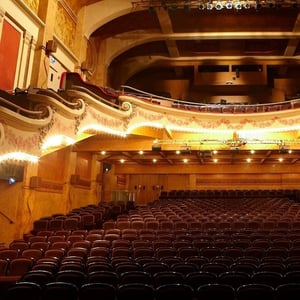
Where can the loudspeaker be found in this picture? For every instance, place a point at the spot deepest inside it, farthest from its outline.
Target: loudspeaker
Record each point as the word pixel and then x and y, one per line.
pixel 156 148
pixel 51 46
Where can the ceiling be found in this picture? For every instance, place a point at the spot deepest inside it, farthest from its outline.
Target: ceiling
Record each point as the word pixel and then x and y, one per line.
pixel 176 41
pixel 176 37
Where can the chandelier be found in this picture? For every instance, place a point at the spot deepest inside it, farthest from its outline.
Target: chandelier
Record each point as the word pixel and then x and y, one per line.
pixel 187 5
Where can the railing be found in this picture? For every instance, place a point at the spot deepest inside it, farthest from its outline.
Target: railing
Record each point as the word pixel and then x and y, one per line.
pixel 38 114
pixel 210 108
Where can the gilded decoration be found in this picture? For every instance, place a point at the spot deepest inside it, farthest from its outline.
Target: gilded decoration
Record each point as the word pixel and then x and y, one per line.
pixel 33 5
pixel 65 27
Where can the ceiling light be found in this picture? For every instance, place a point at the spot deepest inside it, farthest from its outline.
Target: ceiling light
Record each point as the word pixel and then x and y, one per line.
pixel 185 160
pixel 215 160
pixel 154 160
pixel 248 160
pixel 122 161
pixel 141 152
pixel 280 159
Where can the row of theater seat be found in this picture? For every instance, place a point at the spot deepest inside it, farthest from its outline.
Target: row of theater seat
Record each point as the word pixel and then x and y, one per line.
pixel 135 291
pixel 229 194
pixel 85 250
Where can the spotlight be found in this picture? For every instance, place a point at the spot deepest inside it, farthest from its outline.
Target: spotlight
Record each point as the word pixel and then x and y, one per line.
pixel 164 5
pixel 271 5
pixel 174 5
pixel 219 5
pixel 247 5
pixel 151 9
pixel 229 5
pixel 257 6
pixel 209 6
pixel 187 6
pixel 201 6
pixel 238 6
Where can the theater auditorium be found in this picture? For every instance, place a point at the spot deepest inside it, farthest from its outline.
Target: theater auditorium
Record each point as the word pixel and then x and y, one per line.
pixel 149 149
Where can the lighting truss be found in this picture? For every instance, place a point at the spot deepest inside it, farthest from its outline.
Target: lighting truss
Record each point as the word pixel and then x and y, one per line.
pixel 239 142
pixel 187 5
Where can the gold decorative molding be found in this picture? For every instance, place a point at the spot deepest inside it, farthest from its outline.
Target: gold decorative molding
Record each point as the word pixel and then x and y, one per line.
pixel 65 26
pixel 33 5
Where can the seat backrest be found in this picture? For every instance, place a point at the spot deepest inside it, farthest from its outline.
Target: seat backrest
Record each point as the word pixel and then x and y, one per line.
pixel 288 291
pixel 255 291
pixel 40 277
pixel 24 290
pixel 3 266
pixel 174 291
pixel 72 276
pixel 97 290
pixel 60 291
pixel 135 291
pixel 215 291
pixel 19 266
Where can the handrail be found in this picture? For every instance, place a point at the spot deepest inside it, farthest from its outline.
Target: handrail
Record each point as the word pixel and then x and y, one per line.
pixel 99 98
pixel 209 107
pixel 19 109
pixel 55 95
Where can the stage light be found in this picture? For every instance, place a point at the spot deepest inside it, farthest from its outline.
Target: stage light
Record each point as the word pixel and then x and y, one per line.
pixel 257 6
pixel 219 5
pixel 238 6
pixel 164 5
pixel 271 4
pixel 247 5
pixel 201 6
pixel 187 5
pixel 209 6
pixel 229 5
